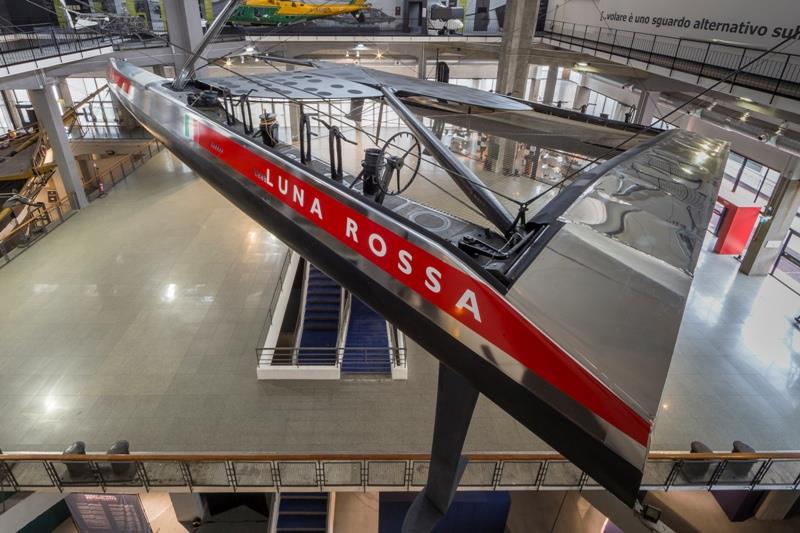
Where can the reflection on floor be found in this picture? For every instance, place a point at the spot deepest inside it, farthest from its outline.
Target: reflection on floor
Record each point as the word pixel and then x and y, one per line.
pixel 139 320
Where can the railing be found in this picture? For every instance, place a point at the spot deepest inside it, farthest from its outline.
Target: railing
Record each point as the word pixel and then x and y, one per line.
pixel 113 175
pixel 345 304
pixel 32 44
pixel 787 266
pixel 99 132
pixel 777 73
pixel 24 44
pixel 39 224
pixel 273 303
pixel 369 358
pixel 398 342
pixel 378 472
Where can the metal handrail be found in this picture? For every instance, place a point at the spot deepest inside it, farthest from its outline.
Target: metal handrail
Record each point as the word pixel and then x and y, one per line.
pixel 273 303
pixel 345 304
pixel 24 44
pixel 777 73
pixel 140 156
pixel 23 471
pixel 323 356
pixel 53 216
pixel 655 455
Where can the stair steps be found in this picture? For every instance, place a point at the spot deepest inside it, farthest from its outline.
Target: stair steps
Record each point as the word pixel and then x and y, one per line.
pixel 302 512
pixel 320 319
pixel 366 329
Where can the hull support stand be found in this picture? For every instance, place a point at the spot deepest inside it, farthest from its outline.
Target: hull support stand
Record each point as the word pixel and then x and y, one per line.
pixel 455 403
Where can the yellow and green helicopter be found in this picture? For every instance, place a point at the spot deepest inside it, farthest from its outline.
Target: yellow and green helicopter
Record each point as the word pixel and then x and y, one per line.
pixel 278 12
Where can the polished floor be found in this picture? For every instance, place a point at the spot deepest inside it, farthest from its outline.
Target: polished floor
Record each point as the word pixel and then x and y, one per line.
pixel 139 318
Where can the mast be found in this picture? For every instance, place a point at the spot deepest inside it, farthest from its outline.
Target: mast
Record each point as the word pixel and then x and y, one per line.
pixel 187 70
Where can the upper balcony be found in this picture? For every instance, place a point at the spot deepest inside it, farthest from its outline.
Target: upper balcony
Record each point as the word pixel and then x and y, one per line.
pixel 29 48
pixel 750 73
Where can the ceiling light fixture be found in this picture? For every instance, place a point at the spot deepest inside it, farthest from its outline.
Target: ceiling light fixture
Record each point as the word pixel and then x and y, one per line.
pixel 582 64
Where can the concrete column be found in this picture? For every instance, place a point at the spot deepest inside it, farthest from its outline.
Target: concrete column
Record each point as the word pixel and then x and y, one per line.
pixel 64 94
pixel 160 70
pixel 422 63
pixel 535 90
pixel 647 108
pixel 581 97
pixel 512 67
pixel 356 110
pixel 47 112
pixel 780 212
pixel 185 30
pixel 533 71
pixel 86 167
pixel 294 115
pixel 11 105
pixel 507 156
pixel 550 85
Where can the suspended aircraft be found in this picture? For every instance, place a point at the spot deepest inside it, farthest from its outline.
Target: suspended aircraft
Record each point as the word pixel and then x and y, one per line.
pixel 275 12
pixel 103 22
pixel 565 318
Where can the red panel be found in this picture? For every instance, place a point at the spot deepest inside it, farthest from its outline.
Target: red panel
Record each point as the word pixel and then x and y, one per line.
pixel 467 299
pixel 737 225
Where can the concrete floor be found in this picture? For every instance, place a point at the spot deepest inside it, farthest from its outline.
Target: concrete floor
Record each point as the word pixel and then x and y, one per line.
pixel 139 318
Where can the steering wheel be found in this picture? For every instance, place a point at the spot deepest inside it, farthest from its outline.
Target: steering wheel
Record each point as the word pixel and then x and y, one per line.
pixel 402 156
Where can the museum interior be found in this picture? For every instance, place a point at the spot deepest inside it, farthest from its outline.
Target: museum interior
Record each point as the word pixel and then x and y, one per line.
pixel 384 266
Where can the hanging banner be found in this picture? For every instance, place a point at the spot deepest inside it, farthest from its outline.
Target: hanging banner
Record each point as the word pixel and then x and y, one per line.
pixel 763 25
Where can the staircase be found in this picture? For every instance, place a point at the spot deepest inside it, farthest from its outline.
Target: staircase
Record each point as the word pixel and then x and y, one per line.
pixel 366 329
pixel 302 511
pixel 320 319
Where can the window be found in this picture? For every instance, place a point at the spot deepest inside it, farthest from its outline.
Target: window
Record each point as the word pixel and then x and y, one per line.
pixel 733 166
pixel 746 175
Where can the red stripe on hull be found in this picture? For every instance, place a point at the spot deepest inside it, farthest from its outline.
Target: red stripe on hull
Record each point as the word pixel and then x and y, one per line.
pixel 499 323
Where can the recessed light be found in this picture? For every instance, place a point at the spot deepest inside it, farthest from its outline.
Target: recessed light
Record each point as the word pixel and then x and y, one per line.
pixel 746 99
pixel 582 64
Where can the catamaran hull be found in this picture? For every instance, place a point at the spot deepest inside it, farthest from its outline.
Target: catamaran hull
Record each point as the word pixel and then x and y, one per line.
pixel 437 295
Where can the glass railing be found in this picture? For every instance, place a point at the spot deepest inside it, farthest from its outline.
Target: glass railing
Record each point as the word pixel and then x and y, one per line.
pixel 143 472
pixel 777 73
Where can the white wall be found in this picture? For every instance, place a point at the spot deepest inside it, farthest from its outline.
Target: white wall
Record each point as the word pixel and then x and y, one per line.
pixel 764 23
